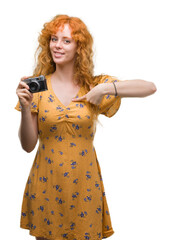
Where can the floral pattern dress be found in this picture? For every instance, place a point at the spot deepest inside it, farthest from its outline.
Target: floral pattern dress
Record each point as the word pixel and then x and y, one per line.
pixel 64 196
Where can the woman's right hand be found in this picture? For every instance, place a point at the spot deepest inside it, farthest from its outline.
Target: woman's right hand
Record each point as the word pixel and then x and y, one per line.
pixel 24 95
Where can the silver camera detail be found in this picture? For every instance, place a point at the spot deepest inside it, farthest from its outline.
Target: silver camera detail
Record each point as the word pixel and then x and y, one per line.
pixel 36 84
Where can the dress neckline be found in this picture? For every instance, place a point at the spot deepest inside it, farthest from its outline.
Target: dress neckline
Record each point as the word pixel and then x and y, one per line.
pixel 49 77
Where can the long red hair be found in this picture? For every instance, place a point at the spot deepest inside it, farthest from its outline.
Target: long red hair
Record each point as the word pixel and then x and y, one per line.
pixel 84 67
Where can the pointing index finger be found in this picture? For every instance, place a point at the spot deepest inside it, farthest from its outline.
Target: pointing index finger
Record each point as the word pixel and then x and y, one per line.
pixel 79 99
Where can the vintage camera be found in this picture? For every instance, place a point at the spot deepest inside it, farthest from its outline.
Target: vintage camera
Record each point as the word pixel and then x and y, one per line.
pixel 37 84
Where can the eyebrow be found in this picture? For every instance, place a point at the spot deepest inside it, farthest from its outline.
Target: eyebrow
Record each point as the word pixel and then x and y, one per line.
pixel 63 37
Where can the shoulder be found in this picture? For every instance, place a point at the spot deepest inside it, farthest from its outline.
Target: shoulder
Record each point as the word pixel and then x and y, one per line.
pixel 104 78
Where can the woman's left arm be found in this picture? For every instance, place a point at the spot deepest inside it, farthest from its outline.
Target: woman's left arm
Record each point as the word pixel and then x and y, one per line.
pixel 130 88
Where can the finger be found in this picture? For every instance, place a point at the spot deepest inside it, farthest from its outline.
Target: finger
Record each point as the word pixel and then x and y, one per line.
pixel 24 96
pixel 23 85
pixel 25 91
pixel 25 77
pixel 79 99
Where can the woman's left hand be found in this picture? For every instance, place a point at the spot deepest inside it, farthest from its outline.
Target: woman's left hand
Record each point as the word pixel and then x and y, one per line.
pixel 94 96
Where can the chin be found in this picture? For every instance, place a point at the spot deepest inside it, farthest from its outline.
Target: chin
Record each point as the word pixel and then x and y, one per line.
pixel 58 61
pixel 62 62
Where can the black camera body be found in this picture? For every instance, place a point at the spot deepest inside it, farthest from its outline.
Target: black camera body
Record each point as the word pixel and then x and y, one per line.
pixel 37 84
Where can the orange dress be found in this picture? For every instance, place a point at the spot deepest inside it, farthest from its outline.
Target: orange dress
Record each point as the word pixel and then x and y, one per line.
pixel 64 196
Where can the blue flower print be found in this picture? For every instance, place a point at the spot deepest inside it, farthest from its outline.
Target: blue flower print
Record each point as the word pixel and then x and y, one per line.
pixel 66 174
pixel 32 226
pixel 97 185
pixel 65 235
pixel 99 235
pixel 88 175
pixel 83 214
pixel 43 179
pixel 51 98
pixel 23 214
pixel 72 144
pixel 87 236
pixel 49 161
pixel 41 208
pixel 47 221
pixel 107 227
pixel 80 105
pixel 74 195
pixel 72 206
pixel 29 181
pixel 59 200
pixel 98 210
pixel 34 106
pixel 58 188
pixel 53 128
pixel 42 119
pixel 88 198
pixel 72 226
pixel 33 196
pixel 84 152
pixel 76 126
pixel 107 212
pixel 73 164
pixel 59 138
pixel 75 180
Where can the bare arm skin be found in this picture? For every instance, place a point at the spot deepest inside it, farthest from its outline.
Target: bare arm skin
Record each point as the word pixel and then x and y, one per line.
pixel 130 88
pixel 28 131
pixel 127 88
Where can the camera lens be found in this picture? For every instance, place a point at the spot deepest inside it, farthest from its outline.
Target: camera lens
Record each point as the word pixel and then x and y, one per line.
pixel 34 86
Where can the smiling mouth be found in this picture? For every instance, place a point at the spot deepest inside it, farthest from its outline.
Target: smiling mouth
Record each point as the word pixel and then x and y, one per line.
pixel 58 53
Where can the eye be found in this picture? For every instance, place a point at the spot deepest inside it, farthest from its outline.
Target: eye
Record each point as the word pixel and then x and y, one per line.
pixel 53 39
pixel 67 41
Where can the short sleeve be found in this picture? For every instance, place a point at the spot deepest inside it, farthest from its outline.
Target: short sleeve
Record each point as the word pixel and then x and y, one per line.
pixel 109 104
pixel 34 104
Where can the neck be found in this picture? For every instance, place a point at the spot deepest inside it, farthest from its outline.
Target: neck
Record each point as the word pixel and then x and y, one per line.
pixel 64 73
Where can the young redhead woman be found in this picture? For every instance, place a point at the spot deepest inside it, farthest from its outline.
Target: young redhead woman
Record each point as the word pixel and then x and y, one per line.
pixel 64 197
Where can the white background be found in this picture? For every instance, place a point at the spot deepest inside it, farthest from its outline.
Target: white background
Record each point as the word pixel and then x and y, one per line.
pixel 131 41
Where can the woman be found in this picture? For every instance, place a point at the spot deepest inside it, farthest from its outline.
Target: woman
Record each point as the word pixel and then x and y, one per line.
pixel 64 196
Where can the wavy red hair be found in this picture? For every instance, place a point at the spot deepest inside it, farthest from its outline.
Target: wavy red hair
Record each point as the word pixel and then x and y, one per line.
pixel 84 67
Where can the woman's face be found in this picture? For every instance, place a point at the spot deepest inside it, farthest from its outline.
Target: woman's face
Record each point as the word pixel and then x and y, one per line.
pixel 62 46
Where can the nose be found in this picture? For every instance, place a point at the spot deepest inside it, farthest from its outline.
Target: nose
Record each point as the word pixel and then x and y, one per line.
pixel 58 44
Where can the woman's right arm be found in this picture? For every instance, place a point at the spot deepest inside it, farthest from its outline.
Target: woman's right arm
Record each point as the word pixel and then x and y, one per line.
pixel 28 131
